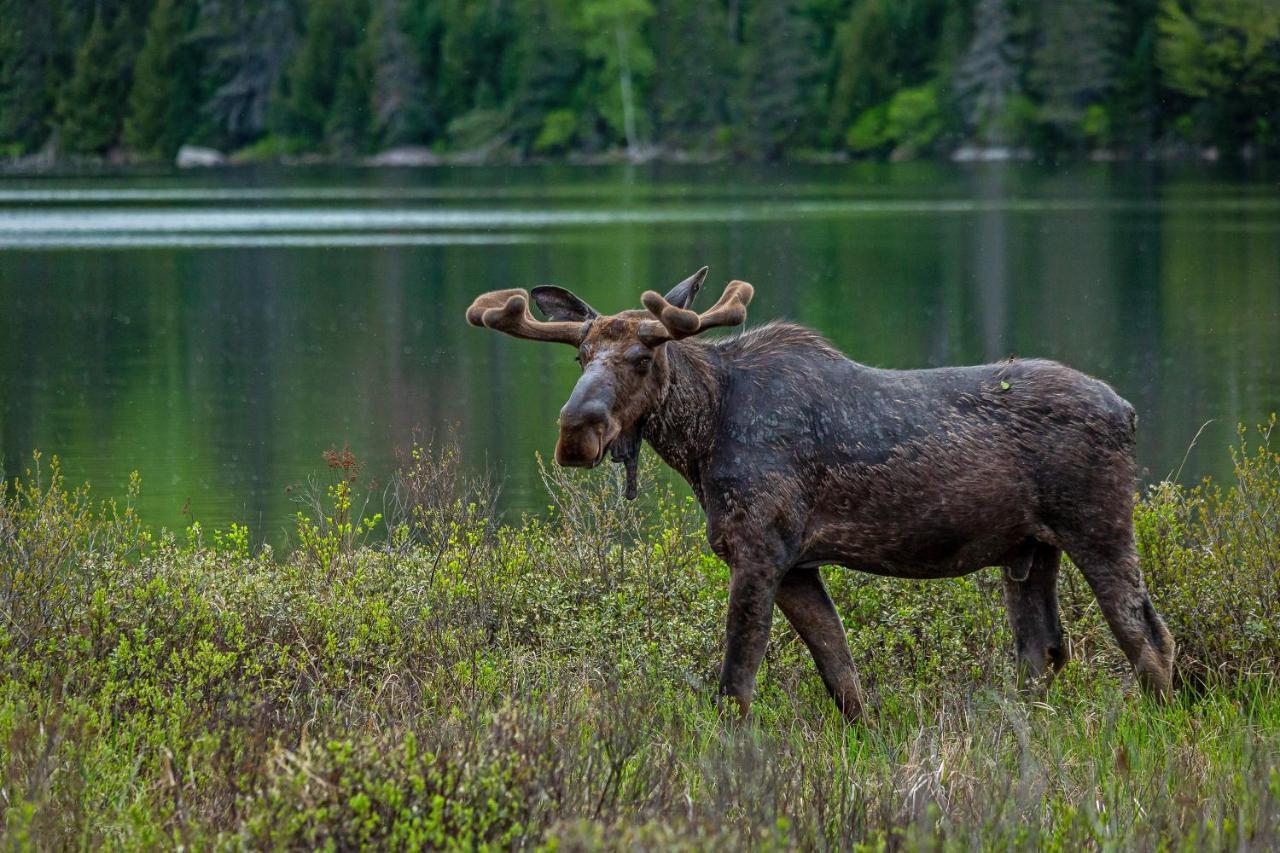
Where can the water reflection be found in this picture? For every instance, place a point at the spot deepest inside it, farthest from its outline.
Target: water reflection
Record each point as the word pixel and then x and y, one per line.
pixel 218 337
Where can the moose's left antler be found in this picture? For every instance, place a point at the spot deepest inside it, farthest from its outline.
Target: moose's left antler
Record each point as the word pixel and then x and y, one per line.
pixel 675 323
pixel 508 311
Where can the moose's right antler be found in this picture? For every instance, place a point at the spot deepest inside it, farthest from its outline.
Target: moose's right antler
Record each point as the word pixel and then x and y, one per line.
pixel 675 323
pixel 508 311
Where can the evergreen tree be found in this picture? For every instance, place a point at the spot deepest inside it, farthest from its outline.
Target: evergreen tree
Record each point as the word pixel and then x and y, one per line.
pixel 475 69
pixel 987 78
pixel 349 125
pixel 1075 60
pixel 399 103
pixel 245 45
pixel 551 76
pixel 322 65
pixel 881 47
pixel 163 103
pixel 90 113
pixel 1224 58
pixel 1134 104
pixel 692 82
pixel 27 74
pixel 545 114
pixel 778 91
pixel 864 76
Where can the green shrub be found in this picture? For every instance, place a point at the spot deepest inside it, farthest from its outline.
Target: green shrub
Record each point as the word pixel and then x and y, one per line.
pixel 909 123
pixel 476 129
pixel 867 133
pixel 270 149
pixel 558 131
pixel 1095 124
pixel 1211 555
pixel 435 680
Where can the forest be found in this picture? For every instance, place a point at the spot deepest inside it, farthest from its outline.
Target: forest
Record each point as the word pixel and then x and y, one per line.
pixel 513 80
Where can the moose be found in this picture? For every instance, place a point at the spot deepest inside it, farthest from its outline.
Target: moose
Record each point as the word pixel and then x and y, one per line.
pixel 802 458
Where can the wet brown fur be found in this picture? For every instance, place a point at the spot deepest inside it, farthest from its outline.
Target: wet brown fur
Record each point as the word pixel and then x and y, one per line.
pixel 803 458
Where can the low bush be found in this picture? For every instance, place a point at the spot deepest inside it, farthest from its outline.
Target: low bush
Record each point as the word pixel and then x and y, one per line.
pixel 437 680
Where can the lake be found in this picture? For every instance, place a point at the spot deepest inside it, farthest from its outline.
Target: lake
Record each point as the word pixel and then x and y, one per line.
pixel 218 331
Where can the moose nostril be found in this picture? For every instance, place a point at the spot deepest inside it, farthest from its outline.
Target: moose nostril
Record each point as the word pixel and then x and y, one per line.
pixel 593 413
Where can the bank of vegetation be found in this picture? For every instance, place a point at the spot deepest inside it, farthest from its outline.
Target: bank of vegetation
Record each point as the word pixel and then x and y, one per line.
pixel 511 80
pixel 411 674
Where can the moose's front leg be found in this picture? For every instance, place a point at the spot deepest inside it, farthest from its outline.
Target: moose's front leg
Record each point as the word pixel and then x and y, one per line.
pixel 804 599
pixel 752 587
pixel 759 554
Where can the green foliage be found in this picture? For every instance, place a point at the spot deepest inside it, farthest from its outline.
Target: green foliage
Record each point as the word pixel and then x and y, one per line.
pixel 988 77
pixel 438 681
pixel 1224 57
pixel 400 110
pixel 324 96
pixel 1216 551
pixel 548 66
pixel 883 46
pixel 269 149
pixel 1075 63
pixel 163 102
pixel 867 134
pixel 778 88
pixel 89 113
pixel 1095 124
pixel 245 45
pixel 558 130
pixel 693 81
pixel 753 79
pixel 909 124
pixel 621 62
pixel 28 74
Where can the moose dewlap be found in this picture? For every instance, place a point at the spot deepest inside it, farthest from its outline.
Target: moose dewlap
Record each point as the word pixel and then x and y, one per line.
pixel 801 457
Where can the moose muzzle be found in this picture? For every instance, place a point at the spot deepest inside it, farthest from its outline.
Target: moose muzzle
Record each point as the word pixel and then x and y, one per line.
pixel 587 425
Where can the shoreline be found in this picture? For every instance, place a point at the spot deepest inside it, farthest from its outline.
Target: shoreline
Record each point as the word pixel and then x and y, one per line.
pixel 194 158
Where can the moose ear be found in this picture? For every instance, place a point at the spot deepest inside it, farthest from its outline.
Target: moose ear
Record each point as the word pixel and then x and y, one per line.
pixel 682 294
pixel 559 304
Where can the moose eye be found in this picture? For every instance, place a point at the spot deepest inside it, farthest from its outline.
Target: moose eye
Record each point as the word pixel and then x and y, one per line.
pixel 643 363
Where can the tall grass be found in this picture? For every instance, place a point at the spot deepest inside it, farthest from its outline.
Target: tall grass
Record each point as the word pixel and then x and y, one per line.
pixel 440 681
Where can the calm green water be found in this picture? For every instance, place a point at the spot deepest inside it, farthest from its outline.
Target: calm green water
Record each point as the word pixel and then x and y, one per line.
pixel 217 332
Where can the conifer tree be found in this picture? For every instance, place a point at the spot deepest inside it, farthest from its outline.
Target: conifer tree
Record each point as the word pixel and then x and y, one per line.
pixel 399 104
pixel 778 85
pixel 548 61
pixel 1075 60
pixel 245 45
pixel 163 110
pixel 322 65
pixel 988 77
pixel 27 74
pixel 1224 58
pixel 348 128
pixel 692 82
pixel 90 113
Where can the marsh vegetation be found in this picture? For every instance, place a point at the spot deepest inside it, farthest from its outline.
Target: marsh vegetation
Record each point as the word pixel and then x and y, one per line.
pixel 432 679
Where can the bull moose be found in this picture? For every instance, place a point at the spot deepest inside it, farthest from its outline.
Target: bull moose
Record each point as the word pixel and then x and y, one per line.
pixel 802 458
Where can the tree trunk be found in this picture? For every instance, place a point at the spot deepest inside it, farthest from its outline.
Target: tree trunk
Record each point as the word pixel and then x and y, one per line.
pixel 624 75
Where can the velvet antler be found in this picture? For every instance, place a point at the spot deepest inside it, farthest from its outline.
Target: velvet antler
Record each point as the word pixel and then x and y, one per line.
pixel 508 311
pixel 675 323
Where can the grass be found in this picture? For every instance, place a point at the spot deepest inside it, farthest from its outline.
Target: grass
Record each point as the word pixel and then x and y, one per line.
pixel 436 680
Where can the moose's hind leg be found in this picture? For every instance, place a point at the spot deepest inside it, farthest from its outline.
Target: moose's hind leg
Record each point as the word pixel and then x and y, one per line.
pixel 1116 580
pixel 804 599
pixel 1031 597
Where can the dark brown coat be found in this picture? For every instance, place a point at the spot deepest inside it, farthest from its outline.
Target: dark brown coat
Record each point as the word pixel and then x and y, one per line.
pixel 803 458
